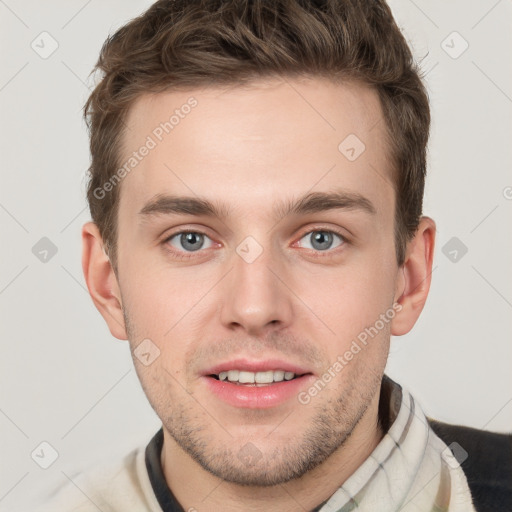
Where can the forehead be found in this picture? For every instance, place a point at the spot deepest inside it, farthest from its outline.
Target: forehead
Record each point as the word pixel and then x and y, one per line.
pixel 251 145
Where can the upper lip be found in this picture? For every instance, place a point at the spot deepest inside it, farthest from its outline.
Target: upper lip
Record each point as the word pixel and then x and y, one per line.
pixel 255 366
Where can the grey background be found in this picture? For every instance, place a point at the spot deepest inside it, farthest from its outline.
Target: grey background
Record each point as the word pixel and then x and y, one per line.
pixel 66 381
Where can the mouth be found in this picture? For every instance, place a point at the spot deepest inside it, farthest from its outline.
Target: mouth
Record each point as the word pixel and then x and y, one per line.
pixel 243 383
pixel 257 379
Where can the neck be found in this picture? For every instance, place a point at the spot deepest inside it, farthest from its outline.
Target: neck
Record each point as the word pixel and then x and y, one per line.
pixel 196 488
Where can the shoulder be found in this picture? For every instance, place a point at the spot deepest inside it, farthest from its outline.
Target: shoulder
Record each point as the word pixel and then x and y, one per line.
pixel 486 459
pixel 111 486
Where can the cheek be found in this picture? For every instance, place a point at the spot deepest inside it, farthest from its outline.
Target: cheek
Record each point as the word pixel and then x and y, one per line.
pixel 168 307
pixel 158 295
pixel 347 300
pixel 350 295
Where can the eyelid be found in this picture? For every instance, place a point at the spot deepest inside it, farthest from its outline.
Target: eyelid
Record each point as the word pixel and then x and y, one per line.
pixel 181 233
pixel 330 250
pixel 179 230
pixel 180 254
pixel 312 229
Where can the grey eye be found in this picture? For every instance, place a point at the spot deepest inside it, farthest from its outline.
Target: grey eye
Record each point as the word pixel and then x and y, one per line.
pixel 190 241
pixel 321 240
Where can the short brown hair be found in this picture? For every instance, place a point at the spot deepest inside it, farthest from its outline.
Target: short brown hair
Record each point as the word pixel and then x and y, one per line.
pixel 180 44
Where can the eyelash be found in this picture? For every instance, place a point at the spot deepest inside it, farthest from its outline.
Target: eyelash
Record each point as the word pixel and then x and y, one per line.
pixel 185 255
pixel 329 252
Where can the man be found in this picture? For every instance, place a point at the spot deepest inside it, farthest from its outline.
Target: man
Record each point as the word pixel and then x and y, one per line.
pixel 256 193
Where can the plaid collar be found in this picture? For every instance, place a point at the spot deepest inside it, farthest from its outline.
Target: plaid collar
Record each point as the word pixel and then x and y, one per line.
pixel 410 470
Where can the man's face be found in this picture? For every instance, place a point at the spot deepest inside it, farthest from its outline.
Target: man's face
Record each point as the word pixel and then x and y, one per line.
pixel 273 251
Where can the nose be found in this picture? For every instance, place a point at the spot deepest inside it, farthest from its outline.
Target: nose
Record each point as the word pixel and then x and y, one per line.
pixel 255 298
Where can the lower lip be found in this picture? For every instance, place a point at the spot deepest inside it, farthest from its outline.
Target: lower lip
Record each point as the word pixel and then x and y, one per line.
pixel 257 397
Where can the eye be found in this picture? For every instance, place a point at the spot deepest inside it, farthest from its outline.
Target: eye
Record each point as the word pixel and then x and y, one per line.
pixel 190 241
pixel 321 240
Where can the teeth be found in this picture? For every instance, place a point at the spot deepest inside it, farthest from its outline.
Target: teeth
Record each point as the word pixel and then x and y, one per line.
pixel 232 375
pixel 264 377
pixel 246 378
pixel 278 376
pixel 243 377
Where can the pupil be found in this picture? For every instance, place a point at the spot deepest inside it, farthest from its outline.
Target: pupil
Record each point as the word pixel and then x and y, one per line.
pixel 321 240
pixel 192 241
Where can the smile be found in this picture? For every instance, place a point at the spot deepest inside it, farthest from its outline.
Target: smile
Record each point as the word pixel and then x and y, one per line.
pixel 255 378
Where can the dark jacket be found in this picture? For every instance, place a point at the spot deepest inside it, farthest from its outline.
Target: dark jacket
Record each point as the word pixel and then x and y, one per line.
pixel 487 462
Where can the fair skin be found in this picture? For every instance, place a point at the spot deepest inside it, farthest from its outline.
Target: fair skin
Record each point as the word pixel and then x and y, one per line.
pixel 248 150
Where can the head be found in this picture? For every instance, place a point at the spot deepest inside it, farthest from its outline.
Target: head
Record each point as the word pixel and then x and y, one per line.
pixel 256 194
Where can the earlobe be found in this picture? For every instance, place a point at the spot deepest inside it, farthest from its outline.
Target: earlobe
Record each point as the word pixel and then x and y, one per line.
pixel 414 282
pixel 101 280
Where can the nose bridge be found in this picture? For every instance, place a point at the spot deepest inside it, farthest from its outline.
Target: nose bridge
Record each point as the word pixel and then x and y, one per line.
pixel 255 298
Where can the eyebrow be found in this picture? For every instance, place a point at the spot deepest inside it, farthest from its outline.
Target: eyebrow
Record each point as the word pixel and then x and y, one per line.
pixel 315 202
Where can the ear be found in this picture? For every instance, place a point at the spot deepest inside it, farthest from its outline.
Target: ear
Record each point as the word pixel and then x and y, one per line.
pixel 414 282
pixel 101 280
